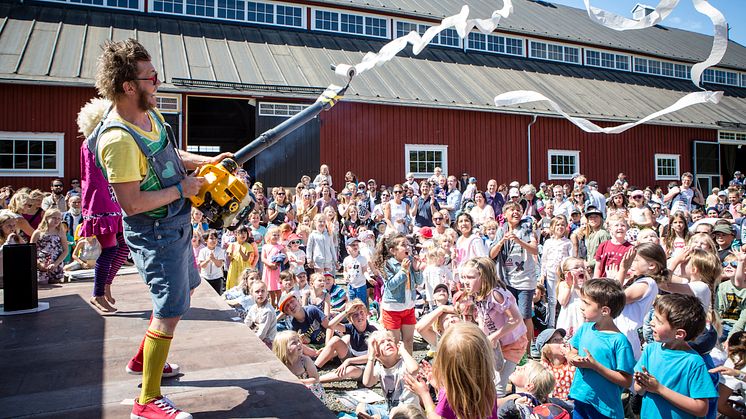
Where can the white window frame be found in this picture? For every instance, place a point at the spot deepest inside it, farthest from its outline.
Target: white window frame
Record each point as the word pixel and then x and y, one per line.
pixel 732 137
pixel 281 109
pixel 562 153
pixel 151 9
pixel 555 44
pixel 585 51
pixel 676 157
pixel 140 7
pixel 340 12
pixel 524 44
pixel 421 27
pixel 159 99
pixel 425 147
pixel 57 137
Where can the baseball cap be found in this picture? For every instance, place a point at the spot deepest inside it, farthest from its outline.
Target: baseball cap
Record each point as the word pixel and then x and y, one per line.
pixel 371 181
pixel 439 286
pixel 364 235
pixel 637 192
pixel 361 185
pixel 472 180
pixel 351 240
pixel 426 233
pixel 545 335
pixel 513 192
pixel 737 173
pixel 591 210
pixel 515 184
pixel 722 193
pixel 285 300
pixel 593 184
pixel 575 211
pixel 722 228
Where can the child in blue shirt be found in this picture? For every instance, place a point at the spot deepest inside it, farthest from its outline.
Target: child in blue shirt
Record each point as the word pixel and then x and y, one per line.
pixel 671 376
pixel 601 353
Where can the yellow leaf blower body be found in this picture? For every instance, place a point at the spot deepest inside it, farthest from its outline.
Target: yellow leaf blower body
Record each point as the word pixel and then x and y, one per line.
pixel 224 199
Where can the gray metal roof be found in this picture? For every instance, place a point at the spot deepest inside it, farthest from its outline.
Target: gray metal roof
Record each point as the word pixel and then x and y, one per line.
pixel 564 23
pixel 59 45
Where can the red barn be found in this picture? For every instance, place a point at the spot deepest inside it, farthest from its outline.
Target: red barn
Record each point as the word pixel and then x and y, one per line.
pixel 232 69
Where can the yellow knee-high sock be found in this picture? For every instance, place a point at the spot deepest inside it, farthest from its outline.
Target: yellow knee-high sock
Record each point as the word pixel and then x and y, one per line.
pixel 155 354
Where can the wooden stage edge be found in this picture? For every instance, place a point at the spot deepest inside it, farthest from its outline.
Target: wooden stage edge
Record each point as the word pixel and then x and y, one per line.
pixel 69 361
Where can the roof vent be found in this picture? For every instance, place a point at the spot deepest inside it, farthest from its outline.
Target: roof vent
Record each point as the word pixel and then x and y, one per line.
pixel 641 10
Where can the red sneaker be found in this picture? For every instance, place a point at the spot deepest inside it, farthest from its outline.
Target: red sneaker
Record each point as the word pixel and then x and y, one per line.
pixel 160 408
pixel 135 368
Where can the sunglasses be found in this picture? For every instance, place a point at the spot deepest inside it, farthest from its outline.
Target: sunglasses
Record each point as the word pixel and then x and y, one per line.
pixel 384 195
pixel 153 78
pixel 57 186
pixel 295 242
pixel 732 264
pixel 280 193
pixel 398 191
pixel 438 219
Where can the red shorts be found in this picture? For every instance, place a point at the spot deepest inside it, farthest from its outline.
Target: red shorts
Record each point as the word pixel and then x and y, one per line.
pixel 393 320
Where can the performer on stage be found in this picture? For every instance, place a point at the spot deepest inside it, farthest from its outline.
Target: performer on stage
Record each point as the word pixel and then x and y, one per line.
pixel 148 175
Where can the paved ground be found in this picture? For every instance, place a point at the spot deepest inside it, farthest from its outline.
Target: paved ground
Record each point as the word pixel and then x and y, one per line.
pixel 69 361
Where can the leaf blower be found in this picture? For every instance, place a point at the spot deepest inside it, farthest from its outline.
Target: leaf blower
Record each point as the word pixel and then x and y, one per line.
pixel 224 199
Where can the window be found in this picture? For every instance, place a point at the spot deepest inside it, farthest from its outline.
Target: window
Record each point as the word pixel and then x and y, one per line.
pixel 609 60
pixel 732 137
pixel 168 103
pixel 200 8
pixel 563 164
pixel 289 16
pixel 231 9
pixel 203 148
pixel 422 159
pixel 325 20
pixel 553 52
pixel 641 65
pixel 681 71
pixel 261 12
pixel 169 6
pixel 494 43
pixel 113 4
pixel 31 154
pixel 667 167
pixel 448 37
pixel 280 109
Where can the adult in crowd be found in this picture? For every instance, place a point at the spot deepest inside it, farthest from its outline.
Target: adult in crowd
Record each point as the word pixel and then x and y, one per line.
pixel 495 199
pixel 411 183
pixel 396 212
pixel 57 198
pixel 738 179
pixel 596 198
pixel 153 194
pixel 424 206
pixel 453 197
pixel 685 196
pixel 75 188
pixel 531 204
pixel 481 212
pixel 281 209
pixel 74 215
pixel 562 206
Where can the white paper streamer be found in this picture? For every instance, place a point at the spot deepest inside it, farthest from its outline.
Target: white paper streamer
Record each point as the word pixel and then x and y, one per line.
pixel 464 25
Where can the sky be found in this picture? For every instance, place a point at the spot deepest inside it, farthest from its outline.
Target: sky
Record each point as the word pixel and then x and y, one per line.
pixel 683 17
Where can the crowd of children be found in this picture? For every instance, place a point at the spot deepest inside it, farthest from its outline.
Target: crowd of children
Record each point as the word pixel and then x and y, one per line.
pixel 629 309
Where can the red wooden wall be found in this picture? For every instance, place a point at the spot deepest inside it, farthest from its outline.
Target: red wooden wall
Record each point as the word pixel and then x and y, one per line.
pixel 37 108
pixel 369 140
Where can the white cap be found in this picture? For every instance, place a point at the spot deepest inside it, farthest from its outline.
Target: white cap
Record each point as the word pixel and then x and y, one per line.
pixel 513 192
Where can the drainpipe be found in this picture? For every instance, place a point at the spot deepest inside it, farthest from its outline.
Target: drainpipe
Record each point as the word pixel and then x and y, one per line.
pixel 533 121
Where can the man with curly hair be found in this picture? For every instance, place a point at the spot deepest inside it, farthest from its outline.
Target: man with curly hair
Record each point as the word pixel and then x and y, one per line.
pixel 136 151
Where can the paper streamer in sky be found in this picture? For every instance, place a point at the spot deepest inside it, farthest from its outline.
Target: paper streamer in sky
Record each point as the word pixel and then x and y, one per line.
pixel 464 25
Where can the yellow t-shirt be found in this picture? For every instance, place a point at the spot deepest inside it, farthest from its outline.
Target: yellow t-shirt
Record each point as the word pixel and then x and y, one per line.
pixel 117 152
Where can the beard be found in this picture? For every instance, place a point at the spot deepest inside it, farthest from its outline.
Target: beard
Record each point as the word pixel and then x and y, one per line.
pixel 75 211
pixel 142 100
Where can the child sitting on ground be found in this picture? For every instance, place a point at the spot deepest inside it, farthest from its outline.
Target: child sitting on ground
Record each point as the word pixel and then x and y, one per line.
pixel 84 255
pixel 309 322
pixel 289 349
pixel 317 295
pixel 671 377
pixel 261 317
pixel 605 365
pixel 533 385
pixel 390 365
pixel 239 297
pixel 352 347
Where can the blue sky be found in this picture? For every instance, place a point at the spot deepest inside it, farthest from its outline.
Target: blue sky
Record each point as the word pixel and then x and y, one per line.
pixel 683 17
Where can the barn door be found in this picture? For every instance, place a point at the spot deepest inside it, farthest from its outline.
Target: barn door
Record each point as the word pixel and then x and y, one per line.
pixel 706 165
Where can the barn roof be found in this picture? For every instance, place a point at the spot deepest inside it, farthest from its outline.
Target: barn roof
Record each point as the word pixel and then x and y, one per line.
pixel 565 23
pixel 59 45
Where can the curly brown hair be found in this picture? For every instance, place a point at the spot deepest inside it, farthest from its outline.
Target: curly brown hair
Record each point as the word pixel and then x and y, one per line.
pixel 118 64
